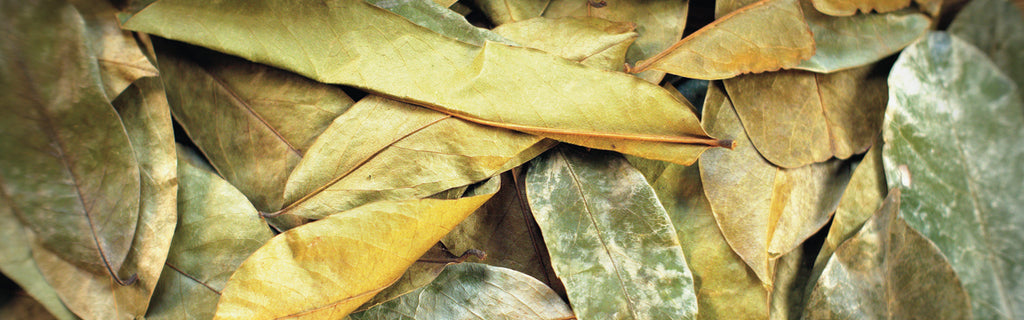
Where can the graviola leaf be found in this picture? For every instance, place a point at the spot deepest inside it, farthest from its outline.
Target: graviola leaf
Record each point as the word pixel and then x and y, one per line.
pixel 475 291
pixel 888 271
pixel 505 11
pixel 17 264
pixel 997 28
pixel 421 273
pixel 952 144
pixel 118 55
pixel 253 122
pixel 609 238
pixel 764 36
pixel 495 85
pixel 369 248
pixel 440 19
pixel 795 118
pixel 849 42
pixel 594 42
pixel 75 186
pixel 402 159
pixel 146 116
pixel 850 7
pixel 217 229
pixel 764 211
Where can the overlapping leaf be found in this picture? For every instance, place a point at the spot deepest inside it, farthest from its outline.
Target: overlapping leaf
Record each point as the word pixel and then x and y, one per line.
pixel 67 164
pixel 421 273
pixel 369 248
pixel 997 28
pixel 253 122
pixel 17 264
pixel 850 7
pixel 476 291
pixel 505 11
pixel 217 229
pixel 764 211
pixel 437 17
pixel 764 36
pixel 594 42
pixel 888 271
pixel 495 85
pixel 953 131
pixel 849 42
pixel 118 55
pixel 610 240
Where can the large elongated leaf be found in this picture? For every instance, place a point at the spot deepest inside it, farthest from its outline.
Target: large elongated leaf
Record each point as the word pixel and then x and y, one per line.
pixel 888 271
pixel 143 108
pixel 17 264
pixel 610 240
pixel 953 132
pixel 369 248
pixel 67 164
pixel 659 23
pixel 849 42
pixel 594 42
pixel 764 211
pixel 496 85
pixel 253 122
pixel 217 229
pixel 997 28
pixel 402 158
pixel 764 36
pixel 475 291
pixel 795 118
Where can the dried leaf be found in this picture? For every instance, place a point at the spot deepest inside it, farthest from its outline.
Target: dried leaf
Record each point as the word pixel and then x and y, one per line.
pixel 421 273
pixel 476 291
pixel 505 11
pixel 997 28
pixel 17 264
pixel 369 246
pixel 80 194
pixel 888 271
pixel 795 118
pixel 850 7
pixel 413 152
pixel 849 42
pixel 659 23
pixel 594 42
pixel 438 18
pixel 119 57
pixel 764 36
pixel 495 85
pixel 22 306
pixel 217 229
pixel 610 240
pixel 953 131
pixel 764 211
pixel 253 122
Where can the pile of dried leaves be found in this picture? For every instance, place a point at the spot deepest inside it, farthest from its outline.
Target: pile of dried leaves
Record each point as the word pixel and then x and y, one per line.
pixel 402 159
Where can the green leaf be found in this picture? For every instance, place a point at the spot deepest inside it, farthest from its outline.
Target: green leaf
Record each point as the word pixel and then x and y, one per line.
pixel 610 240
pixel 850 7
pixel 494 85
pixel 953 131
pixel 849 42
pixel 67 164
pixel 146 115
pixel 421 273
pixel 795 118
pixel 787 299
pixel 764 211
pixel 440 19
pixel 475 291
pixel 594 42
pixel 997 28
pixel 505 11
pixel 401 160
pixel 17 264
pixel 888 271
pixel 659 23
pixel 217 229
pixel 763 36
pixel 253 122
pixel 369 248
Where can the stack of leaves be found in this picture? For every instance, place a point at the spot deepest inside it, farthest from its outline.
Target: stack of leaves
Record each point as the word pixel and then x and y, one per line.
pixel 496 159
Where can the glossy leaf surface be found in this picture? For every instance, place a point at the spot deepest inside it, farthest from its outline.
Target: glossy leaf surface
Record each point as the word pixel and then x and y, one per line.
pixel 888 271
pixel 849 42
pixel 997 28
pixel 371 247
pixel 495 85
pixel 475 291
pixel 610 240
pixel 952 143
pixel 594 42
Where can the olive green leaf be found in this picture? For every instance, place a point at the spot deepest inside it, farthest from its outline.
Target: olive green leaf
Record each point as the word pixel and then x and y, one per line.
pixel 726 287
pixel 217 229
pixel 888 271
pixel 505 11
pixel 495 85
pixel 953 144
pixel 764 211
pixel 421 273
pixel 440 19
pixel 67 165
pixel 369 248
pixel 659 23
pixel 253 122
pixel 594 42
pixel 117 53
pixel 850 7
pixel 795 118
pixel 475 291
pixel 849 42
pixel 23 307
pixel 787 299
pixel 17 264
pixel 764 36
pixel 997 28
pixel 611 242
pixel 402 158
pixel 146 116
